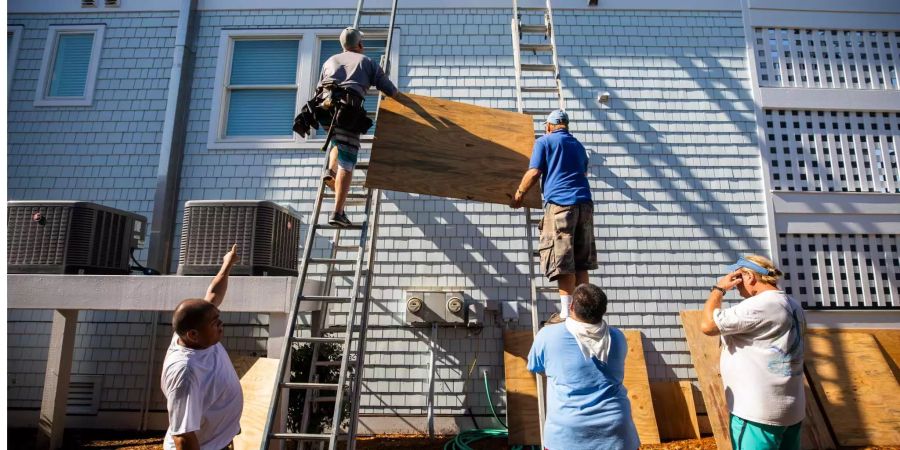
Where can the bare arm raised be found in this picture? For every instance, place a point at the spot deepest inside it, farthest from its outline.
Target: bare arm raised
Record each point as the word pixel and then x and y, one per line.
pixel 216 291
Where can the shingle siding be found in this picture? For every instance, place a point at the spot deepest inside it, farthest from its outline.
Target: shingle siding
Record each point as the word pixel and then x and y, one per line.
pixel 674 173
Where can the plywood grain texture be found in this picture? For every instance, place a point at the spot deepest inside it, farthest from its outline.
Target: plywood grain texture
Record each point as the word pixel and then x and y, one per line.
pixel 522 416
pixel 257 377
pixel 705 353
pixel 856 387
pixel 637 383
pixel 815 433
pixel 676 413
pixel 432 146
pixel 888 342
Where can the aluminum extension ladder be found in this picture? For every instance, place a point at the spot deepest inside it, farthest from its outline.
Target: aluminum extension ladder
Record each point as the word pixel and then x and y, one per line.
pixel 320 330
pixel 536 43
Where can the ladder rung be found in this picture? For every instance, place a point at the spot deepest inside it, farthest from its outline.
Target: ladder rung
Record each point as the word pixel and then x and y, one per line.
pixel 374 13
pixel 326 226
pixel 539 67
pixel 326 298
pixel 536 47
pixel 344 273
pixel 328 363
pixel 541 29
pixel 351 195
pixel 332 261
pixel 319 340
pixel 301 436
pixel 324 386
pixel 547 289
pixel 540 111
pixel 324 399
pixel 538 89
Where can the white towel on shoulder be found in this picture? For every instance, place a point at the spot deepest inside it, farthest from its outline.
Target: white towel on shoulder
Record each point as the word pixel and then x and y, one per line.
pixel 592 339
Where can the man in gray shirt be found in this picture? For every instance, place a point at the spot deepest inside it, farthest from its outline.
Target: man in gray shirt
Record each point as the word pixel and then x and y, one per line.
pixel 354 72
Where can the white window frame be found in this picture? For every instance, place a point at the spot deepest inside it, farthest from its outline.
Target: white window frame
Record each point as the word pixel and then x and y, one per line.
pixel 307 77
pixel 16 32
pixel 43 85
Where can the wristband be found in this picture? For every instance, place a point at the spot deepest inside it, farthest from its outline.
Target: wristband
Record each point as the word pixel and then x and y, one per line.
pixel 716 288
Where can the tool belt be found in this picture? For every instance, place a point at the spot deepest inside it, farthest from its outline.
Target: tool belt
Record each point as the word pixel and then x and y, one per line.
pixel 332 106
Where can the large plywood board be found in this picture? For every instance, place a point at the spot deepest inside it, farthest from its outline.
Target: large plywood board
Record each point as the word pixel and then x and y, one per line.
pixel 637 383
pixel 432 146
pixel 522 416
pixel 676 413
pixel 888 341
pixel 257 377
pixel 856 387
pixel 705 353
pixel 815 433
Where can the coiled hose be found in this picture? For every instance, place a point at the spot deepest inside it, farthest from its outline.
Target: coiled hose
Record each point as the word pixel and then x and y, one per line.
pixel 462 440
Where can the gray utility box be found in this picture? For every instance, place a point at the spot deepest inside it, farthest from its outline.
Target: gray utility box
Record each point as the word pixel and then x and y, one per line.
pixel 267 236
pixel 443 307
pixel 71 237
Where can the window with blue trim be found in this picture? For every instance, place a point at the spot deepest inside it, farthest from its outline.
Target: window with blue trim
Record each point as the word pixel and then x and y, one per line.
pixel 374 49
pixel 261 90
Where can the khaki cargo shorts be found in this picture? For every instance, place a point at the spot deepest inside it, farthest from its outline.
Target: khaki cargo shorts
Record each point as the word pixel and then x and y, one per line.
pixel 567 239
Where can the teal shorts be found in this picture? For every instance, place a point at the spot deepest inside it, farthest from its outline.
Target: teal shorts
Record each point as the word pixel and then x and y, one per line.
pixel 347 155
pixel 747 435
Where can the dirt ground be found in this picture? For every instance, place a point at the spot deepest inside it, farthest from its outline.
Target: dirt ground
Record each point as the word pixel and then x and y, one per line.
pixel 23 439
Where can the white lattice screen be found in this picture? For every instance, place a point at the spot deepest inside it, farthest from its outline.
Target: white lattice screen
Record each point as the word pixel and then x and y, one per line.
pixel 827 58
pixel 833 151
pixel 841 270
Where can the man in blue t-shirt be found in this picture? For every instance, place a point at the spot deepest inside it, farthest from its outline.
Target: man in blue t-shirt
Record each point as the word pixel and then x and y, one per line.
pixel 584 361
pixel 566 245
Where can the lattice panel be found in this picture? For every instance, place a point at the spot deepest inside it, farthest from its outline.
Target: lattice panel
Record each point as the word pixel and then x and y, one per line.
pixel 841 270
pixel 827 58
pixel 833 151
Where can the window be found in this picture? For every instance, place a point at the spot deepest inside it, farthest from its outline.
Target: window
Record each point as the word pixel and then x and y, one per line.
pixel 69 68
pixel 13 39
pixel 264 77
pixel 257 88
pixel 374 49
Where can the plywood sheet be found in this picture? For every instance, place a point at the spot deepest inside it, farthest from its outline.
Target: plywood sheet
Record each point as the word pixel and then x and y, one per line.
pixel 888 341
pixel 521 389
pixel 432 146
pixel 815 434
pixel 856 387
pixel 257 377
pixel 638 385
pixel 705 355
pixel 676 413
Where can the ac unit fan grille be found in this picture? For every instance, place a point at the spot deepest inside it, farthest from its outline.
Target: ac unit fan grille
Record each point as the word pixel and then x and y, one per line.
pixel 28 242
pixel 211 230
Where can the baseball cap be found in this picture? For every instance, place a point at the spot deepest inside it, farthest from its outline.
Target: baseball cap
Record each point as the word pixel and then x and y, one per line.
pixel 350 37
pixel 558 117
pixel 747 264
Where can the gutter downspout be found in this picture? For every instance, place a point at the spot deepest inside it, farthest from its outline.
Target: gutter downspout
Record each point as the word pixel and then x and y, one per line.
pixel 171 150
pixel 168 175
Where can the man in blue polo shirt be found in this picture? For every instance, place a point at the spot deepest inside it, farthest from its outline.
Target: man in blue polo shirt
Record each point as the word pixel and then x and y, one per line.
pixel 566 245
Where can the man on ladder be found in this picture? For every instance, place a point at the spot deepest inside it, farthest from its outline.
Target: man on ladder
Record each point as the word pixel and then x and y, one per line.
pixel 566 245
pixel 351 72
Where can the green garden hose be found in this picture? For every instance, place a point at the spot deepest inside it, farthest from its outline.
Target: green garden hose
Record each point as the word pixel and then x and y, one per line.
pixel 462 440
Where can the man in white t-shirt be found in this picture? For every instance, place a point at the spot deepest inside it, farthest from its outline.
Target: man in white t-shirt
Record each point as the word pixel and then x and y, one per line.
pixel 762 356
pixel 203 394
